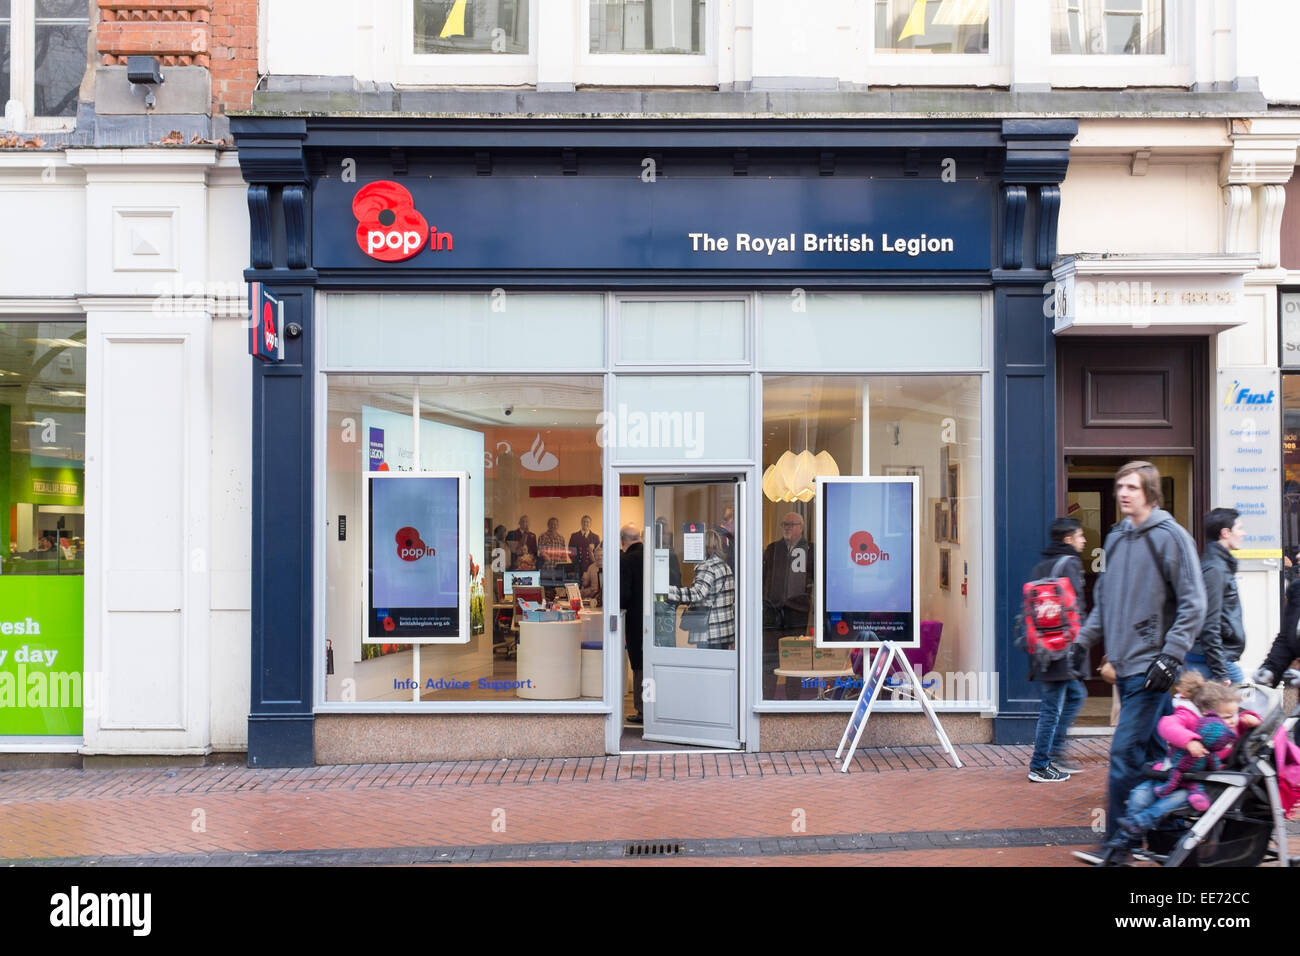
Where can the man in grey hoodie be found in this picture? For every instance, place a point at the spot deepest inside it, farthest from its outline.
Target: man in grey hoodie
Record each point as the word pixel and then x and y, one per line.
pixel 1148 605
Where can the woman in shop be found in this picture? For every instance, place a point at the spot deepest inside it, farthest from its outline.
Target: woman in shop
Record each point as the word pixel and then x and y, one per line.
pixel 711 618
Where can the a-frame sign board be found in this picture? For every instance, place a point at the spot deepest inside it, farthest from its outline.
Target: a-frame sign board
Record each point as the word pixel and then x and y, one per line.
pixel 873 680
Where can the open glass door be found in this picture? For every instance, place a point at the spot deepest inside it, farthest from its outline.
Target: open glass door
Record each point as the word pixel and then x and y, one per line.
pixel 692 610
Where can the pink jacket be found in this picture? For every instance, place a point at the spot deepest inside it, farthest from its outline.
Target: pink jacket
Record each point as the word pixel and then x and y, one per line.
pixel 1179 729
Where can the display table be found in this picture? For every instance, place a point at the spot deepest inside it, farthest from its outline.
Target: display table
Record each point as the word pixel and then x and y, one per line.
pixel 550 657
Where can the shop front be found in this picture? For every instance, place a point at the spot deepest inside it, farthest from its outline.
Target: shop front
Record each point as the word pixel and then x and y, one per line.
pixel 633 347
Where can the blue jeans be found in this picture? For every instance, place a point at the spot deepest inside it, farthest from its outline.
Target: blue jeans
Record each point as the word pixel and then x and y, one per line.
pixel 1196 662
pixel 1145 809
pixel 1061 702
pixel 1135 744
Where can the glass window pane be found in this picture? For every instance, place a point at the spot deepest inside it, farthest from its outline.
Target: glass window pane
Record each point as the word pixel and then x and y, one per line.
pixel 648 26
pixel 60 65
pixel 62 10
pixel 932 26
pixel 4 53
pixel 471 26
pixel 927 426
pixel 42 466
pixel 535 514
pixel 516 331
pixel 1114 27
pixel 679 418
pixel 688 332
pixel 823 331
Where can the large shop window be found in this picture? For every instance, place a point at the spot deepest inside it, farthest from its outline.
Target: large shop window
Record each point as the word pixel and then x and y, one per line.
pixel 43 525
pixel 529 444
pixel 928 426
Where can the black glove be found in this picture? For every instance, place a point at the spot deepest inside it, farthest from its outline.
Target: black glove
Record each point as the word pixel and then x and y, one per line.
pixel 1162 673
pixel 1076 655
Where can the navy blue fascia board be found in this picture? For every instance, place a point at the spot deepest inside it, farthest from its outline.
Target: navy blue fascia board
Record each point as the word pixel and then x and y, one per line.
pixel 432 280
pixel 1038 150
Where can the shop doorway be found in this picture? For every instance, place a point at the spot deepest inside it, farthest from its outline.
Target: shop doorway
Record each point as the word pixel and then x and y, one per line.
pixel 692 606
pixel 1117 401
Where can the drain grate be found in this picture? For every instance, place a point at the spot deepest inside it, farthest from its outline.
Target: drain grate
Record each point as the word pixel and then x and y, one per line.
pixel 652 849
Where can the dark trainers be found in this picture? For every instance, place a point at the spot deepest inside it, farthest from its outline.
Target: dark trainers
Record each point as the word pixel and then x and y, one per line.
pixel 633 719
pixel 1066 765
pixel 1048 774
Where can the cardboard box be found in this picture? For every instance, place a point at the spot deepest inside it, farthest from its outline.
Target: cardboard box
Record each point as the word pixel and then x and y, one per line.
pixel 796 653
pixel 830 659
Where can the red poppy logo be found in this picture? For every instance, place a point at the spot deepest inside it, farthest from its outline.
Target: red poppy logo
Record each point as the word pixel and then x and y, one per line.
pixel 863 550
pixel 389 227
pixel 389 625
pixel 410 547
pixel 842 627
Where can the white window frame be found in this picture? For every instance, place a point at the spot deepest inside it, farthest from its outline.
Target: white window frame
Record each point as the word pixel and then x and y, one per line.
pixel 650 69
pixel 899 68
pixel 461 69
pixel 1119 70
pixel 22 73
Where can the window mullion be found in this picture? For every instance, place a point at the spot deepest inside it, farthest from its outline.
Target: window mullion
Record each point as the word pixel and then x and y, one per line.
pixel 22 63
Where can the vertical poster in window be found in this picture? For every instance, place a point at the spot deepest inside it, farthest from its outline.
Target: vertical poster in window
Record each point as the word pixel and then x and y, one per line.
pixel 416 539
pixel 867 534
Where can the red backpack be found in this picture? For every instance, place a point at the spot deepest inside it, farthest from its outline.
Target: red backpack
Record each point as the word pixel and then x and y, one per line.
pixel 1050 619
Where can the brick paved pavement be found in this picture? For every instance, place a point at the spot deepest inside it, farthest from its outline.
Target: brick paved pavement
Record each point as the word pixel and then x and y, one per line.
pixel 894 794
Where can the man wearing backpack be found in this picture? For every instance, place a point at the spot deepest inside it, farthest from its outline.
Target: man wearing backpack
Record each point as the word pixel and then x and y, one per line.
pixel 1063 691
pixel 1148 605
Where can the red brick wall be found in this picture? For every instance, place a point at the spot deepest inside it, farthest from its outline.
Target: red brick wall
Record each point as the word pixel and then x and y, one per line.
pixel 233 52
pixel 218 34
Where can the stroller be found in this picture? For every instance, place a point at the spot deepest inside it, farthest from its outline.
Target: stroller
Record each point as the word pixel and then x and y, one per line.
pixel 1247 809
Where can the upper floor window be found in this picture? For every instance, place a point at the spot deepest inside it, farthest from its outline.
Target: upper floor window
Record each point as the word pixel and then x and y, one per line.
pixel 648 26
pixel 471 26
pixel 932 26
pixel 1108 26
pixel 42 55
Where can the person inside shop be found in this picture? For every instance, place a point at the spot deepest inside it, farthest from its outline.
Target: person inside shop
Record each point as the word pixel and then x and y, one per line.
pixel 551 545
pixel 593 579
pixel 582 545
pixel 727 529
pixel 631 592
pixel 710 621
pixel 522 545
pixel 787 593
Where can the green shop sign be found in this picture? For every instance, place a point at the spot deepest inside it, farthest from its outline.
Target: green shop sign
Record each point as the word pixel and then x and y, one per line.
pixel 42 672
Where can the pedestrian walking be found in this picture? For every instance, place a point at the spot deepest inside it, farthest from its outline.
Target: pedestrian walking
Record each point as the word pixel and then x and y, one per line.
pixel 1063 690
pixel 1149 603
pixel 1223 638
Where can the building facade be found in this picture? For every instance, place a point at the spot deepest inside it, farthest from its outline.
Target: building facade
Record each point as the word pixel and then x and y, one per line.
pixel 654 213
pixel 126 385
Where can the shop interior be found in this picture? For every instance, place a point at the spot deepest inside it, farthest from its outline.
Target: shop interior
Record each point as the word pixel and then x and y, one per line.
pixel 42 466
pixel 531 448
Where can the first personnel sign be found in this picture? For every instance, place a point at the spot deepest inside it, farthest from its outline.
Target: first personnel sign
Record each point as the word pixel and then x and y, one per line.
pixel 266 324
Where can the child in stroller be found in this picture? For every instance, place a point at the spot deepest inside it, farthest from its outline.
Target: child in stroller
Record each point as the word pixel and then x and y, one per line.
pixel 1247 803
pixel 1198 735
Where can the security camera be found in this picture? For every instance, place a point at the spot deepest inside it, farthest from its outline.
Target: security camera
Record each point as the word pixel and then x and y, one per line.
pixel 508 409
